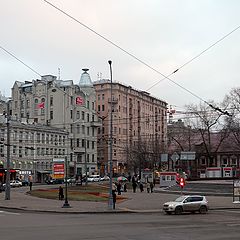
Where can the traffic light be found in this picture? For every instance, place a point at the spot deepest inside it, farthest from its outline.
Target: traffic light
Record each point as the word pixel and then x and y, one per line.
pixel 182 182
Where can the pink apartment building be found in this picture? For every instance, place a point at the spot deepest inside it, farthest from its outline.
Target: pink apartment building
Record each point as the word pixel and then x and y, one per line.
pixel 137 117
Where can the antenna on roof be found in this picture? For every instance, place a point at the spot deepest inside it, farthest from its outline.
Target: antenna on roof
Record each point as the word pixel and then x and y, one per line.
pixel 59 74
pixel 99 76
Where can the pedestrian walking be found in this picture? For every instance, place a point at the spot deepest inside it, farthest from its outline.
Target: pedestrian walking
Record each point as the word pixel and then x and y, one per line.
pixel 30 185
pixel 125 187
pixel 119 186
pixel 60 193
pixel 148 187
pixel 134 186
pixel 141 187
pixel 151 187
pixel 114 196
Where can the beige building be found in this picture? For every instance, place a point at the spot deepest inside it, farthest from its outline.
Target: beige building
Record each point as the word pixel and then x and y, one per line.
pixel 32 149
pixel 65 105
pixel 137 118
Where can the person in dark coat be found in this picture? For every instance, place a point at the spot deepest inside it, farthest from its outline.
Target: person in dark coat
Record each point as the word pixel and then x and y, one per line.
pixel 151 187
pixel 119 186
pixel 60 193
pixel 30 185
pixel 125 187
pixel 141 186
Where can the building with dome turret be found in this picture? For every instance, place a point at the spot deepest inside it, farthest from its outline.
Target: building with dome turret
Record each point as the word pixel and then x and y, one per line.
pixel 64 105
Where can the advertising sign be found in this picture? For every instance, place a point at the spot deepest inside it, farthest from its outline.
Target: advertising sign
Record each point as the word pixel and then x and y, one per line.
pixel 236 191
pixel 58 168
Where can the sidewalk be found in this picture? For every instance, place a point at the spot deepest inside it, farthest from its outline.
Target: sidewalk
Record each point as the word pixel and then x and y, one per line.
pixel 136 202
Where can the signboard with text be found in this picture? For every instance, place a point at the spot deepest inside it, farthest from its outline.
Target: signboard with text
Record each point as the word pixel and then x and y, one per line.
pixel 58 168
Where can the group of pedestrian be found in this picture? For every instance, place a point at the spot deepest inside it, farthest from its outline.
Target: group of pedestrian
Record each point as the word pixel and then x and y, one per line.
pixel 137 182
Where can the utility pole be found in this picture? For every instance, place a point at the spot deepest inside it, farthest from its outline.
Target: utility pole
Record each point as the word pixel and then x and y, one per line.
pixel 7 191
pixel 85 161
pixel 66 204
pixel 110 201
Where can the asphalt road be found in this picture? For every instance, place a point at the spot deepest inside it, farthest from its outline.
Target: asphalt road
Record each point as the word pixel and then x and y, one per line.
pixel 214 225
pixel 206 188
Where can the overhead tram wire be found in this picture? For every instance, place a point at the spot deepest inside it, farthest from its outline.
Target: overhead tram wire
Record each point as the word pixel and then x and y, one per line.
pixel 5 50
pixel 195 57
pixel 146 64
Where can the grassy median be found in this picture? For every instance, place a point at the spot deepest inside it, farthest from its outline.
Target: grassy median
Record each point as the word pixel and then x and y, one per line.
pixel 91 192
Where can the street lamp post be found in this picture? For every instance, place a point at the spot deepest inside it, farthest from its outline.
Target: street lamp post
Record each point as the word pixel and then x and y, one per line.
pixel 110 201
pixel 7 191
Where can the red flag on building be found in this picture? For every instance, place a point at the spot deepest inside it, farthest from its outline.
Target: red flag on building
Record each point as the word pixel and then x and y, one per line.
pixel 41 105
pixel 79 101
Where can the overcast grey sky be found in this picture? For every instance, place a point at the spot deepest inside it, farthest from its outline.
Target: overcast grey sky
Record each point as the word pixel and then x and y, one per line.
pixel 164 34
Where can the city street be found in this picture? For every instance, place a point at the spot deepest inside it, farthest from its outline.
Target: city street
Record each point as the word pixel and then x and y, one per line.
pixel 221 224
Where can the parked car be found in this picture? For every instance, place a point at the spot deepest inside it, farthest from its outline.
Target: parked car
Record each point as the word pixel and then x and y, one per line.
pixel 54 181
pixel 94 178
pixel 188 203
pixel 105 178
pixel 70 180
pixel 13 183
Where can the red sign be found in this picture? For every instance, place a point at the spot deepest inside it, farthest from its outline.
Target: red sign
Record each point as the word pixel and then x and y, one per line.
pixel 79 101
pixel 41 105
pixel 58 170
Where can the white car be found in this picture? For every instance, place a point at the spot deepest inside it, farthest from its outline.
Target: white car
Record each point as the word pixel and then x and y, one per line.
pixel 188 203
pixel 105 178
pixel 93 178
pixel 13 183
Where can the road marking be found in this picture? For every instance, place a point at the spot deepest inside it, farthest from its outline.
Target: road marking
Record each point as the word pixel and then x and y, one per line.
pixel 8 213
pixel 233 224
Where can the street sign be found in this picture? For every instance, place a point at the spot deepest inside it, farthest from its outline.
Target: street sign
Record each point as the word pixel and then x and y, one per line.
pixel 188 156
pixel 164 157
pixel 175 157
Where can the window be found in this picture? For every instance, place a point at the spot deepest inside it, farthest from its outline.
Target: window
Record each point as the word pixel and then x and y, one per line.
pixel 103 108
pixel 78 115
pixel 88 104
pixel 93 158
pixel 78 143
pixel 99 108
pixel 83 129
pixel 88 117
pixel 20 151
pixel 93 106
pixel 38 137
pixel 88 131
pixel 43 138
pixel 83 142
pixel 103 96
pixel 79 158
pixel 51 114
pixel 83 115
pixel 78 128
pixel 203 161
pixel 51 101
pixel 71 114
pixel 93 144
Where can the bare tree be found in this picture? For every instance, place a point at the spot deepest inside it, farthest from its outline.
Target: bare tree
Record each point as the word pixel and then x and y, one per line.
pixel 210 125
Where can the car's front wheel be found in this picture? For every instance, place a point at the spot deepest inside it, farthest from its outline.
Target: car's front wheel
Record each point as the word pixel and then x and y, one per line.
pixel 178 210
pixel 203 209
